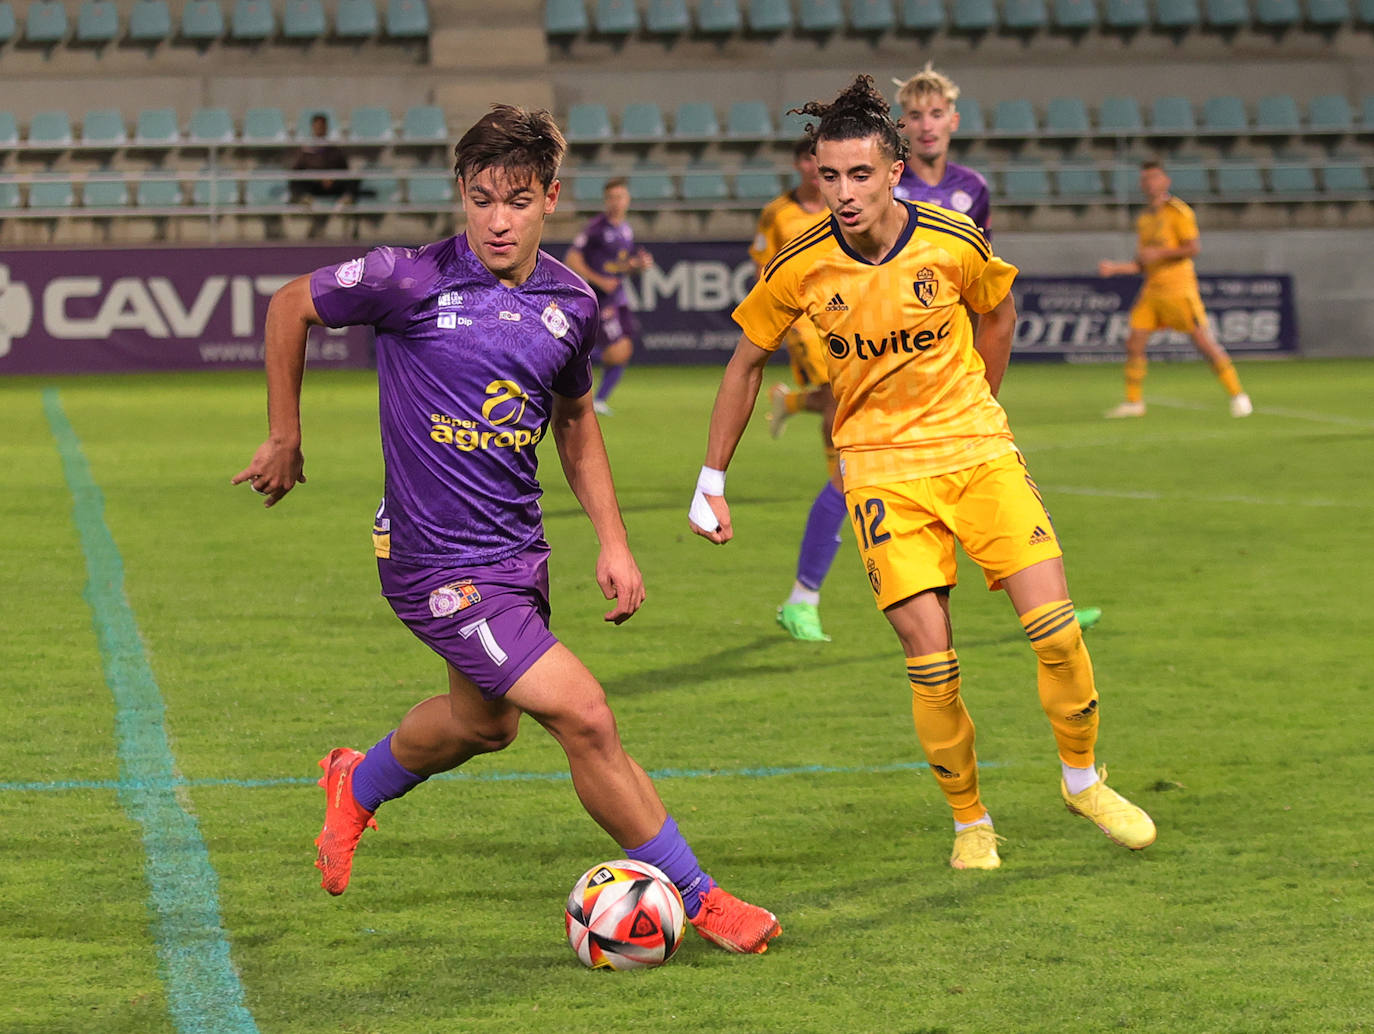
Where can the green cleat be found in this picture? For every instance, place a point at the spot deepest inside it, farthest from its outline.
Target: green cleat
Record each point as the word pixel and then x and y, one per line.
pixel 802 622
pixel 1088 616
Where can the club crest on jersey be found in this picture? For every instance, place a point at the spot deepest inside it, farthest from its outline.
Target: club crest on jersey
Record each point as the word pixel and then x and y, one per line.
pixel 451 598
pixel 350 274
pixel 962 200
pixel 925 285
pixel 554 319
pixel 875 577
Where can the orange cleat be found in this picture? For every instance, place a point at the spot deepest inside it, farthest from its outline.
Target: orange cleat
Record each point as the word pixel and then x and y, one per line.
pixel 344 819
pixel 735 925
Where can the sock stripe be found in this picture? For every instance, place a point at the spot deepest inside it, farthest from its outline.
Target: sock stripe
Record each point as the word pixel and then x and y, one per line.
pixel 1069 620
pixel 1035 626
pixel 933 665
pixel 933 678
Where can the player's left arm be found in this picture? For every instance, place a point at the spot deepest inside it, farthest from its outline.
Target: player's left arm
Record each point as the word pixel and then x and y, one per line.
pixel 1156 253
pixel 992 340
pixel 582 451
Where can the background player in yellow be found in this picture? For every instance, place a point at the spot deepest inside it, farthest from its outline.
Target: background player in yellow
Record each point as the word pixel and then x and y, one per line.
pixel 1169 298
pixel 782 219
pixel 926 453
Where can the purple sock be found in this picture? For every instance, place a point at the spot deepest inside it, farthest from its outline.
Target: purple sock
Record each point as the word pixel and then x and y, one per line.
pixel 668 851
pixel 379 777
pixel 821 540
pixel 610 377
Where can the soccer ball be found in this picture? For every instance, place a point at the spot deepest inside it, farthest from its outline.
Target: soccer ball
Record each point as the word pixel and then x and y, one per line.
pixel 624 915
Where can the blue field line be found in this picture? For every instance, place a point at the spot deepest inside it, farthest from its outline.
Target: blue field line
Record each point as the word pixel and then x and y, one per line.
pixel 204 994
pixel 758 772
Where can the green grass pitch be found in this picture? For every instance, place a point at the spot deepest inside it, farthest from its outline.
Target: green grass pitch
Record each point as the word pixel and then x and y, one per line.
pixel 1232 559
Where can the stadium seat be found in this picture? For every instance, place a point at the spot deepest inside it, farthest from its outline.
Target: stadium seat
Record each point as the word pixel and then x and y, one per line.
pixel 923 16
pixel 642 121
pixel 306 117
pixel 9 196
pixel 8 27
pixel 50 127
pixel 1367 112
pixel 757 184
pixel 52 194
pixel 1124 180
pixel 266 187
pixel 667 18
pixel 703 181
pixel 1067 116
pixel 150 21
pixel 1013 118
pixel 202 21
pixel 105 194
pixel 1188 178
pixel 973 16
pixel 1172 115
pixel 157 191
pixel 1177 15
pixel 1074 15
pixel 748 120
pixel 1239 180
pixel 719 17
pixel 407 19
pixel 791 127
pixel 217 190
pixel 379 190
pixel 1224 116
pixel 872 16
pixel 1277 114
pixel 1364 12
pixel 695 120
pixel 104 127
pixel 1330 113
pixel 820 17
pixel 427 122
pixel 302 20
pixel 157 127
pixel 1078 181
pixel 45 22
pixel 589 124
pixel 971 121
pixel 768 17
pixel 264 126
pixel 650 183
pixel 370 125
pixel 616 17
pixel 1025 16
pixel 9 129
pixel 1290 177
pixel 97 22
pixel 1226 15
pixel 589 182
pixel 252 21
pixel 356 20
pixel 1328 14
pixel 210 126
pixel 430 188
pixel 566 18
pixel 1277 14
pixel 1126 15
pixel 1025 182
pixel 1344 177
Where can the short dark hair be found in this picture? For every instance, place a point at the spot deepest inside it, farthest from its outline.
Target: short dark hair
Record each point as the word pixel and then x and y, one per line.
pixel 859 111
pixel 613 182
pixel 512 140
pixel 1151 163
pixel 803 146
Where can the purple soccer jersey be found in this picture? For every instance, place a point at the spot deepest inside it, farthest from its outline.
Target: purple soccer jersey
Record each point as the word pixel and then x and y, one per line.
pixel 466 370
pixel 961 189
pixel 607 250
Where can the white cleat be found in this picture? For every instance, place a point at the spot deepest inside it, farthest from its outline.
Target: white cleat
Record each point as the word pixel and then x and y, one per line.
pixel 1241 405
pixel 1125 409
pixel 777 411
pixel 600 407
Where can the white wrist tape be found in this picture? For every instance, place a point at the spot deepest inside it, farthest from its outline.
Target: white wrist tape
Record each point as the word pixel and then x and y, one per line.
pixel 711 481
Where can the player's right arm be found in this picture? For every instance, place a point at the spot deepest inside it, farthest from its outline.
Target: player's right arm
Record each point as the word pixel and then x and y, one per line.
pixel 577 262
pixel 278 464
pixel 1108 267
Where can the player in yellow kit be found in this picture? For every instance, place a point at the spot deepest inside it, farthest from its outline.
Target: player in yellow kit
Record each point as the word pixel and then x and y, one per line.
pixel 1169 298
pixel 926 453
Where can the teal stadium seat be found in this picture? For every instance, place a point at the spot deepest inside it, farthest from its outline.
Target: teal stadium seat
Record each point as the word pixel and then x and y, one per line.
pixel 97 22
pixel 719 17
pixel 667 18
pixel 264 126
pixel 1188 178
pixel 1344 176
pixel 760 185
pixel 9 195
pixel 1177 15
pixel 157 127
pixel 58 193
pixel 1367 113
pixel 616 17
pixel 202 21
pixel 1067 116
pixel 1278 15
pixel 1277 114
pixel 1074 15
pixel 1328 14
pixel 1226 15
pixel 1291 178
pixel 307 116
pixel 973 16
pixel 1078 181
pixel 50 127
pixel 748 120
pixel 252 21
pixel 923 16
pixel 356 20
pixel 1126 16
pixel 210 126
pixel 113 193
pixel 642 121
pixel 971 122
pixel 407 19
pixel 1025 182
pixel 266 188
pixel 768 17
pixel 1015 118
pixel 695 120
pixel 302 20
pixel 589 124
pixel 1364 12
pixel 1224 116
pixel 9 129
pixel 434 188
pixel 1125 180
pixel 157 191
pixel 589 183
pixel 1330 113
pixel 1239 181
pixel 8 25
pixel 150 22
pixel 45 22
pixel 370 125
pixel 1172 116
pixel 791 127
pixel 566 18
pixel 872 17
pixel 425 122
pixel 103 128
pixel 820 17
pixel 220 191
pixel 1025 16
pixel 651 183
pixel 379 190
pixel 702 181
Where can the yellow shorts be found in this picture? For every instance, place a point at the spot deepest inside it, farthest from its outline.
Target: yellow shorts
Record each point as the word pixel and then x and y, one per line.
pixel 1176 311
pixel 906 531
pixel 807 355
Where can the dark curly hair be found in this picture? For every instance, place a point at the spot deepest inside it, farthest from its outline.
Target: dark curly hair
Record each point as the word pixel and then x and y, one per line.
pixel 859 111
pixel 513 140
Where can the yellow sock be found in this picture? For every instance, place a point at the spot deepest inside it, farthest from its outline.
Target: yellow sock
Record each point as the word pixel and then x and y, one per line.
pixel 945 730
pixel 1065 680
pixel 796 402
pixel 1135 378
pixel 1226 373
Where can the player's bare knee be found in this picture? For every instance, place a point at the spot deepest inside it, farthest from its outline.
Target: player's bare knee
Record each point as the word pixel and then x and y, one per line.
pixel 494 737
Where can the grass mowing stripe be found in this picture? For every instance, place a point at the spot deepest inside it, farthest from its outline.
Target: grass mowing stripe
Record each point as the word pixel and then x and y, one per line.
pixel 203 989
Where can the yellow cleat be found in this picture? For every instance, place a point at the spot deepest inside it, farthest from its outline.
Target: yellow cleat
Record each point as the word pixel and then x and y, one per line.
pixel 1121 820
pixel 976 848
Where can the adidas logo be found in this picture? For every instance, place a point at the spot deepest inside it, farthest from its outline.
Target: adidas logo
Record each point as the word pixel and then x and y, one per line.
pixel 1039 536
pixel 836 304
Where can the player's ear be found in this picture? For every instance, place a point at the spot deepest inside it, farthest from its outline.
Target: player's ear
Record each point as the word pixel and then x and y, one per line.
pixel 551 196
pixel 954 121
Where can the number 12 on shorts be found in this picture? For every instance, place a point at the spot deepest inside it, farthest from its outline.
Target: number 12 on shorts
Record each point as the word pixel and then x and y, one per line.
pixel 868 519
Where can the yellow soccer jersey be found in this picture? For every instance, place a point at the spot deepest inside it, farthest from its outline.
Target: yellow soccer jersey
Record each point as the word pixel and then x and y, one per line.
pixel 781 219
pixel 1171 225
pixel 911 392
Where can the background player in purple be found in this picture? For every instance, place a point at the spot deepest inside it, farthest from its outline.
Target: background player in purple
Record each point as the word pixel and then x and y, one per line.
pixel 603 254
pixel 482 349
pixel 929 118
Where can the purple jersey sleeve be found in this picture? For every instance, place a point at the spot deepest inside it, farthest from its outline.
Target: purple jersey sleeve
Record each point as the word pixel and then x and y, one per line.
pixel 364 291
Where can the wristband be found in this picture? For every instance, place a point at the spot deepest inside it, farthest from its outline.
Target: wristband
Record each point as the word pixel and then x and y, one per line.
pixel 711 481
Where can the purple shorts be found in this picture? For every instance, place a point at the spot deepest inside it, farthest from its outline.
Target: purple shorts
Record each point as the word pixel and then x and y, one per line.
pixel 617 321
pixel 490 621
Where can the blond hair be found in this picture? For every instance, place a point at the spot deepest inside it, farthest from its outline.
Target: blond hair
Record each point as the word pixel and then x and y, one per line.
pixel 924 83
